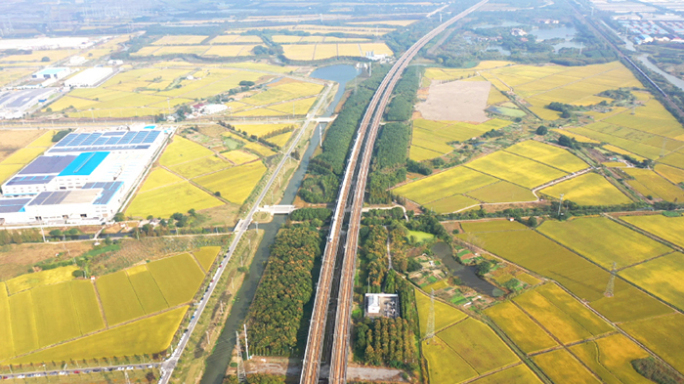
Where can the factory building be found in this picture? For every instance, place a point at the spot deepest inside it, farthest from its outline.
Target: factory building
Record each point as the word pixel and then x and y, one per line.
pixel 91 77
pixel 51 73
pixel 14 104
pixel 84 177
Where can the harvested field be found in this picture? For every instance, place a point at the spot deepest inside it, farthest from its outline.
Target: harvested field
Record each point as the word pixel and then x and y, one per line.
pixel 524 332
pixel 235 184
pixel 478 345
pixel 663 277
pixel 662 335
pixel 603 241
pixel 611 358
pixel 667 228
pixel 588 189
pixel 456 101
pixel 561 367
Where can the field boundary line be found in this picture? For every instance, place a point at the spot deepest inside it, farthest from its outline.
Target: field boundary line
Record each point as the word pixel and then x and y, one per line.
pixel 643 232
pixel 162 186
pixel 100 331
pixel 646 261
pixel 675 309
pixel 505 367
pixel 199 264
pixel 196 185
pixel 563 345
pixel 99 303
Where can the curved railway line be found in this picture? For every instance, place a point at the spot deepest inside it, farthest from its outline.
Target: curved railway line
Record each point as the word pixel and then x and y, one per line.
pixel 355 177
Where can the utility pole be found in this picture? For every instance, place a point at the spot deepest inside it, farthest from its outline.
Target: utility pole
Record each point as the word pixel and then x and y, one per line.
pixel 560 205
pixel 611 282
pixel 241 374
pixel 246 342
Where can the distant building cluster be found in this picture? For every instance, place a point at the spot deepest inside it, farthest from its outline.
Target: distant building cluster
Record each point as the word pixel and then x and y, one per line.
pixel 89 78
pixel 15 104
pixel 644 31
pixel 84 177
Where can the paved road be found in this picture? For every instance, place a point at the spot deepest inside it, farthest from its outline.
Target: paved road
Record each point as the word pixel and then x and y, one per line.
pixel 170 364
pixel 78 371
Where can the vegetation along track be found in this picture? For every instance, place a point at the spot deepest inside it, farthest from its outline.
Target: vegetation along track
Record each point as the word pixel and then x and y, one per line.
pixel 338 362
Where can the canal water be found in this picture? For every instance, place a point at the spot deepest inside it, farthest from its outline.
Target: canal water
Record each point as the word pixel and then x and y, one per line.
pixel 465 273
pixel 217 363
pixel 676 81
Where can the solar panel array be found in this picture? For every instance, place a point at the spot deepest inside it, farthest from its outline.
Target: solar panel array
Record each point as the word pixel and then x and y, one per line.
pixel 107 141
pixel 30 180
pixel 12 205
pixel 108 190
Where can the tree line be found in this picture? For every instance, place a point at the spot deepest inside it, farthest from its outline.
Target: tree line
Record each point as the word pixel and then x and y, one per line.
pixel 275 314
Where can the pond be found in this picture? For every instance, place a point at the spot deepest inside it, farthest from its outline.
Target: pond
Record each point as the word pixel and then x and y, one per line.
pixel 466 274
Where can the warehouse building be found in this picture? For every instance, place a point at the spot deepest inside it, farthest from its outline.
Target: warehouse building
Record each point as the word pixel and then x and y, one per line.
pixel 84 177
pixel 89 78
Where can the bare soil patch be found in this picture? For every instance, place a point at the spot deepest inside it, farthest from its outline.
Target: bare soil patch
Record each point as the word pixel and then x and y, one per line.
pixel 16 259
pixel 456 101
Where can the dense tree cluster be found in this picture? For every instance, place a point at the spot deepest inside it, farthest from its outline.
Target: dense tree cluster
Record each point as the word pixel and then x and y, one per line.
pixel 375 258
pixel 324 170
pixel 258 378
pixel 416 167
pixel 401 106
pixel 392 146
pixel 387 342
pixel 286 286
pixel 302 214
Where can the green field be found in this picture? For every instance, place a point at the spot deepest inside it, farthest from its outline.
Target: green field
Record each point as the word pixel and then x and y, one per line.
pixel 515 169
pixel 663 277
pixel 561 367
pixel 548 154
pixel 603 241
pixel 667 228
pixel 588 189
pixel 147 336
pixel 178 277
pixel 419 236
pixel 524 332
pixel 611 359
pixel 206 256
pixel 235 184
pixel 563 316
pixel 663 335
pixel 478 345
pixel 119 300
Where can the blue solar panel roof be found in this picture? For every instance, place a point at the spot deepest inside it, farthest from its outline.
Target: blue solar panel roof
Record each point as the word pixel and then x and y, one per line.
pixel 108 190
pixel 44 165
pixel 13 205
pixel 107 141
pixel 29 180
pixel 84 164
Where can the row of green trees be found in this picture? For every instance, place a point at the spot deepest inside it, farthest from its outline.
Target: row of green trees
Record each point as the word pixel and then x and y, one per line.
pixel 302 214
pixel 276 312
pixel 387 342
pixel 401 106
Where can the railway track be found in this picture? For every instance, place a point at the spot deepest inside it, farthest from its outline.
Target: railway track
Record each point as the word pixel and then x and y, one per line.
pixel 355 177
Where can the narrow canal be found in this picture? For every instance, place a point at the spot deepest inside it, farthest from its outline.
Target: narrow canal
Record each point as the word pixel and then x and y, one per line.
pixel 217 363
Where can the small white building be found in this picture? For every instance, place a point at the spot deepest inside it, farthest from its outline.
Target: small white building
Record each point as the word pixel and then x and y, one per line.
pixel 382 305
pixel 91 77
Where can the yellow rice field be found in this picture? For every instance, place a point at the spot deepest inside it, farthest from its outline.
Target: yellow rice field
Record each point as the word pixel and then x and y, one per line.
pixel 180 40
pixel 649 183
pixel 662 335
pixel 524 332
pixel 562 367
pixel 515 169
pixel 167 200
pixel 667 228
pixel 182 150
pixel 323 51
pixel 235 184
pixel 240 157
pixel 674 175
pixel 159 177
pixel 603 241
pixel 663 277
pixel 588 189
pixel 611 358
pixel 548 154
